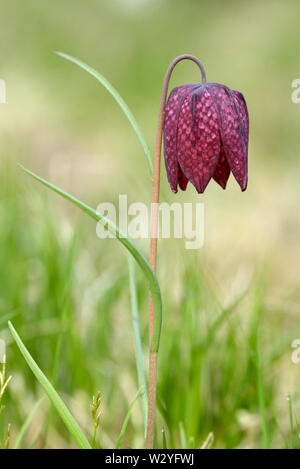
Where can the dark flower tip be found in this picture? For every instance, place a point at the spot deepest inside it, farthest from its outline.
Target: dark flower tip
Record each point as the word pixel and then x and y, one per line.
pixel 206 129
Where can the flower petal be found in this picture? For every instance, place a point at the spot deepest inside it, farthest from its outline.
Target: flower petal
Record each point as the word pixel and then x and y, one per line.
pixel 172 110
pixel 243 112
pixel 182 180
pixel 233 130
pixel 198 140
pixel 222 171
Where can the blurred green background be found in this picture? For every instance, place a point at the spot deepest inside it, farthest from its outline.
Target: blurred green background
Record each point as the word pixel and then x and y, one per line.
pixel 62 124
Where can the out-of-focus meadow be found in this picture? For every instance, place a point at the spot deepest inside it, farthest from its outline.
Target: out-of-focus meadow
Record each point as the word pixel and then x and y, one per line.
pixel 218 372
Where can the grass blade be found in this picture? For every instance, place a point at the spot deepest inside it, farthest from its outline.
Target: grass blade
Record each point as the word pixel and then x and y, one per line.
pixel 164 439
pixel 137 337
pixel 61 408
pixel 182 436
pixel 289 399
pixel 130 246
pixel 119 100
pixel 27 423
pixel 261 396
pixel 127 417
pixel 59 340
pixel 207 444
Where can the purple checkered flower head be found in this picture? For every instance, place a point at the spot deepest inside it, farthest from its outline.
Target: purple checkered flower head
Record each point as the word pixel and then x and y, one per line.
pixel 206 130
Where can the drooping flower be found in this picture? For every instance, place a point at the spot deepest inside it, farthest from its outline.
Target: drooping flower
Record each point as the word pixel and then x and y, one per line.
pixel 206 130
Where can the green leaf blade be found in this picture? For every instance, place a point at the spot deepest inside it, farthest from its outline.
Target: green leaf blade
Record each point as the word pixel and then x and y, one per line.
pixel 56 400
pixel 131 247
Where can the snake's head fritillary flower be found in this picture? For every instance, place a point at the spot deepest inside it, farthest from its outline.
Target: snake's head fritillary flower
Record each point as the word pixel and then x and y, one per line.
pixel 206 130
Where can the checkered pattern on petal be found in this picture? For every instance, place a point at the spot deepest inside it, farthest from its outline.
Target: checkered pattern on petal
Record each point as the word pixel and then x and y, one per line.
pixel 172 109
pixel 243 112
pixel 198 140
pixel 232 130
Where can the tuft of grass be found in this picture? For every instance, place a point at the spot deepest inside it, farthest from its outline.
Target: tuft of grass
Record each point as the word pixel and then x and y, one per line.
pixel 205 378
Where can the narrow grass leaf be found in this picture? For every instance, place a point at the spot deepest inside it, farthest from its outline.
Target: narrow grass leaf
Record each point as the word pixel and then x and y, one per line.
pixel 27 423
pixel 191 442
pixel 182 436
pixel 164 439
pixel 130 246
pixel 119 100
pixel 207 444
pixel 289 399
pixel 61 408
pixel 127 417
pixel 261 396
pixel 138 341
